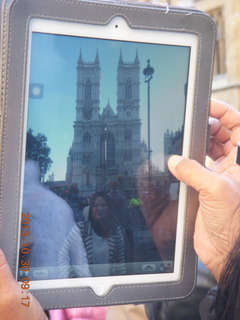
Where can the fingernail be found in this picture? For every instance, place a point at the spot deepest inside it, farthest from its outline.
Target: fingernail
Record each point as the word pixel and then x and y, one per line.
pixel 174 161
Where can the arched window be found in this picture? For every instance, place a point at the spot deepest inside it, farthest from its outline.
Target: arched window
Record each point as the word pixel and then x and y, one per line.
pixel 86 177
pixel 107 149
pixel 128 135
pixel 110 150
pixel 128 90
pixel 88 90
pixel 87 137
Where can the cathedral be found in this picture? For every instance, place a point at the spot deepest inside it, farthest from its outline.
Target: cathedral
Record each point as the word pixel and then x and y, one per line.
pixel 107 141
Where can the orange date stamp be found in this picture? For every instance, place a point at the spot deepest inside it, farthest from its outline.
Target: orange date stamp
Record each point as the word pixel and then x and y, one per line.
pixel 24 263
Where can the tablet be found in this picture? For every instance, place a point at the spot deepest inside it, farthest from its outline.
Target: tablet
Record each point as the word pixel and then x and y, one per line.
pixel 94 105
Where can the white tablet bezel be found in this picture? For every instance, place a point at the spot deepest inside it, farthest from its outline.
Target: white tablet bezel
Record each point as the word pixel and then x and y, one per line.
pixel 118 29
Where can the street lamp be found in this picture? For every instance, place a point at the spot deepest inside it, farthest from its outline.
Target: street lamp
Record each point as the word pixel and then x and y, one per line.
pixel 104 136
pixel 148 73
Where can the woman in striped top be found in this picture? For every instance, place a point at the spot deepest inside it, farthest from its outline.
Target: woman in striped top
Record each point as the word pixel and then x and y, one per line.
pixel 103 239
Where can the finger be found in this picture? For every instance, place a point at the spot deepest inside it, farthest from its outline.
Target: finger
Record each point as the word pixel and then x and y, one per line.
pixel 235 138
pixel 229 116
pixel 216 150
pixel 218 131
pixel 5 273
pixel 10 297
pixel 223 164
pixel 191 173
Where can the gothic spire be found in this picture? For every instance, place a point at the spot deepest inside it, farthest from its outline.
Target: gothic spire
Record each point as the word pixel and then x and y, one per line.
pixel 136 61
pixel 120 57
pixel 108 111
pixel 80 60
pixel 97 58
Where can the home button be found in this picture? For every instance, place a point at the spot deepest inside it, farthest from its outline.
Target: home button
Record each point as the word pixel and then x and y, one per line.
pixel 100 289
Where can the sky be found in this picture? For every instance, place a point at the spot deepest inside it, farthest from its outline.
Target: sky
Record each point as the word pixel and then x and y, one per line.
pixel 51 110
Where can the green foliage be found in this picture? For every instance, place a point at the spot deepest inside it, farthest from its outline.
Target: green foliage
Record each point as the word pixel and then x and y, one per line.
pixel 38 150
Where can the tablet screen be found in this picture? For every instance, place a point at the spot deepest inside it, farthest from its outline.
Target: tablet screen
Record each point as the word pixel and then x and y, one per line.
pixel 103 115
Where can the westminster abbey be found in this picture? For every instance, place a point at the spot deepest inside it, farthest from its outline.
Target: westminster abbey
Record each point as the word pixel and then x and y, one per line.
pixel 107 141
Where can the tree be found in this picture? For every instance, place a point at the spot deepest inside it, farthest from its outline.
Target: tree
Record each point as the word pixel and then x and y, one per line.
pixel 38 150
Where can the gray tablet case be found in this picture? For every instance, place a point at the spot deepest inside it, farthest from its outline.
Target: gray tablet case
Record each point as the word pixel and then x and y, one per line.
pixel 15 16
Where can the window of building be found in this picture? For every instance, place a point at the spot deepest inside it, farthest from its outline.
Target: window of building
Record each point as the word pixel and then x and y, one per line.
pixel 127 155
pixel 107 149
pixel 220 55
pixel 87 137
pixel 88 90
pixel 128 90
pixel 86 177
pixel 128 135
pixel 110 150
pixel 86 157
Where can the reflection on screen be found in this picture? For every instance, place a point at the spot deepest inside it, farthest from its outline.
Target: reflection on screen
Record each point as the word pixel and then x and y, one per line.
pixel 103 116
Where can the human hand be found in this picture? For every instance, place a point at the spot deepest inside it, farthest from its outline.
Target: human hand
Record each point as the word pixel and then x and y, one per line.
pixel 218 219
pixel 10 298
pixel 160 213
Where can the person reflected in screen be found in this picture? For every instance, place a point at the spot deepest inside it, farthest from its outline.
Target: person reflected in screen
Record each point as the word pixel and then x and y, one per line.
pixel 103 238
pixel 120 203
pixel 160 213
pixel 51 218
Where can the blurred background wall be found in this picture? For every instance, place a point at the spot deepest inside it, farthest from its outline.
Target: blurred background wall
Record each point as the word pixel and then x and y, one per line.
pixel 226 13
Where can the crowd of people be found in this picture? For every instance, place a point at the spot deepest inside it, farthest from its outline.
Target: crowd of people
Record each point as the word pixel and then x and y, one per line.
pixel 111 231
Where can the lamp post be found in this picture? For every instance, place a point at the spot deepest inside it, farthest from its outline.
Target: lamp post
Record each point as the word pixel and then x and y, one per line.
pixel 104 136
pixel 148 73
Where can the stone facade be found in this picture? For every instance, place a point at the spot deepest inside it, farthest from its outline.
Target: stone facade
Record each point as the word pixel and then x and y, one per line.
pixel 107 142
pixel 226 80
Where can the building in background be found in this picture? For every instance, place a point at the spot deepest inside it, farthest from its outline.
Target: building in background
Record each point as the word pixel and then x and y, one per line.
pixel 226 80
pixel 106 144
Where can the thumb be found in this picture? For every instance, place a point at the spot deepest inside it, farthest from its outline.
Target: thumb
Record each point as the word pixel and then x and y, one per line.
pixel 191 172
pixel 5 272
pixel 11 297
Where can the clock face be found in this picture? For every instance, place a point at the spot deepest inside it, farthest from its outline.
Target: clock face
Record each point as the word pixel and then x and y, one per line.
pixel 87 113
pixel 128 114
